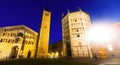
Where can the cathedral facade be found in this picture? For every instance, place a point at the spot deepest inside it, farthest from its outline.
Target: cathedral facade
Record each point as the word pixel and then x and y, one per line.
pixel 17 42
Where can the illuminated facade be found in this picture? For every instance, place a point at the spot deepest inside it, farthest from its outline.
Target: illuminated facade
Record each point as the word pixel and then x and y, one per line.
pixel 17 41
pixel 74 27
pixel 43 43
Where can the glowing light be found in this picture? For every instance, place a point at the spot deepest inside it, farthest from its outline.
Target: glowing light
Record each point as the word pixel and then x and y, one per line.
pixel 101 33
pixel 56 55
pixel 51 55
pixel 110 47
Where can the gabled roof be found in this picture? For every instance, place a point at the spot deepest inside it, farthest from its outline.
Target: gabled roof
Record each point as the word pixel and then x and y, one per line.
pixel 19 27
pixel 80 11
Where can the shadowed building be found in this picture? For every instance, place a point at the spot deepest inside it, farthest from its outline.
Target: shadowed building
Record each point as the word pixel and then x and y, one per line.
pixel 74 27
pixel 56 49
pixel 43 41
pixel 17 41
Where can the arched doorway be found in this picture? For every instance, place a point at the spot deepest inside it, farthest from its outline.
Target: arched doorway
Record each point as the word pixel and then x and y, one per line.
pixel 29 54
pixel 14 52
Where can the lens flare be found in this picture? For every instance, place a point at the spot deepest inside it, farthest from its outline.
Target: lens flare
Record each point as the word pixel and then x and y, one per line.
pixel 101 33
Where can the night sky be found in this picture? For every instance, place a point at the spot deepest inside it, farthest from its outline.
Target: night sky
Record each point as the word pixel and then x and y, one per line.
pixel 29 12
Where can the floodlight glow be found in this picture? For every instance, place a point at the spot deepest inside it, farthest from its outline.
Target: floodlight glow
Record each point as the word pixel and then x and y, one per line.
pixel 101 33
pixel 110 47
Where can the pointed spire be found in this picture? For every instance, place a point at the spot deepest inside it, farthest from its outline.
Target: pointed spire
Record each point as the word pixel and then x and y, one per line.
pixel 47 8
pixel 62 14
pixel 79 9
pixel 68 11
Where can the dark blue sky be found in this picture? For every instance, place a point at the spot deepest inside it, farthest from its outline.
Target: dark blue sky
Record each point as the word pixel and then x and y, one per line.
pixel 29 12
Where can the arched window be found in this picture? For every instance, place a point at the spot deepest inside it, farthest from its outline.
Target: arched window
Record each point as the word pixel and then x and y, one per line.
pixel 1 40
pixel 9 41
pixel 20 34
pixel 3 34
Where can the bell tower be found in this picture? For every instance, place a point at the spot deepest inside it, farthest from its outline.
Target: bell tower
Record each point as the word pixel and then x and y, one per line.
pixel 43 41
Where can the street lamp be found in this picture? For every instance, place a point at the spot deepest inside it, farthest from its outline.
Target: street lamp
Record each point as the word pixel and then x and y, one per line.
pixel 110 47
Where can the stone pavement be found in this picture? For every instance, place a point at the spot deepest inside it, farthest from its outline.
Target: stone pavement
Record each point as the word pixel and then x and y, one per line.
pixel 108 61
